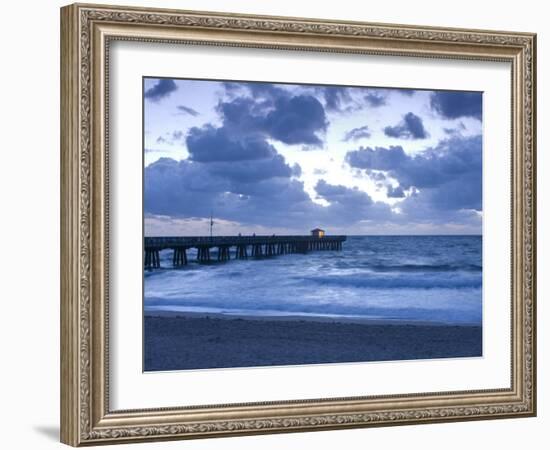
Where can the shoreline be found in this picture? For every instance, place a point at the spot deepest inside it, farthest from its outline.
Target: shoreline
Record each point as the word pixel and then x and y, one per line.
pixel 191 341
pixel 301 318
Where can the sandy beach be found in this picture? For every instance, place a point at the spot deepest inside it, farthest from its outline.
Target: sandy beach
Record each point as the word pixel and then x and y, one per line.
pixel 179 341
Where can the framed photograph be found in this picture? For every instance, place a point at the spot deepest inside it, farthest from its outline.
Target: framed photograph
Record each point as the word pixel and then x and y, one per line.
pixel 276 224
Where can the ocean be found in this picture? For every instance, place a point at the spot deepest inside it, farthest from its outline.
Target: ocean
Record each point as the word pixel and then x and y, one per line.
pixel 410 279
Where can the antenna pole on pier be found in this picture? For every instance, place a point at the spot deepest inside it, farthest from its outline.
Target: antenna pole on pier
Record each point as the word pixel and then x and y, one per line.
pixel 211 225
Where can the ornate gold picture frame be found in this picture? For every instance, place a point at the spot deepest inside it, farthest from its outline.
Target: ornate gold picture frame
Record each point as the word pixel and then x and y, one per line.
pixel 87 32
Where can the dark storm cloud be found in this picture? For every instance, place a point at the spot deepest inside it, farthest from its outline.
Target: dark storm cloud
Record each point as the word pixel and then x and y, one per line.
pixel 336 98
pixel 342 194
pixel 411 127
pixel 396 192
pixel 182 109
pixel 378 158
pixel 219 144
pixel 357 133
pixel 231 87
pixel 254 191
pixel 452 105
pixel 449 176
pixel 348 205
pixel 243 114
pixel 347 99
pixel 407 92
pixel 176 188
pixel 375 99
pixel 267 90
pixel 161 89
pixel 252 170
pixel 288 119
pixel 376 176
pixel 297 120
pixel 296 170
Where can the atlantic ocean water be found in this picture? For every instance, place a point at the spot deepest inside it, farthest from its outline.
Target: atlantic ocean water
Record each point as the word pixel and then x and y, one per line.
pixel 409 279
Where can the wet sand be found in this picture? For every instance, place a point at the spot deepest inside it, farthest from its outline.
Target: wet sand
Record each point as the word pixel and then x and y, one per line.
pixel 178 341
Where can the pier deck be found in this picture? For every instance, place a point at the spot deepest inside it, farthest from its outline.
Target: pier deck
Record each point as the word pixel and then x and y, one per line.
pixel 244 247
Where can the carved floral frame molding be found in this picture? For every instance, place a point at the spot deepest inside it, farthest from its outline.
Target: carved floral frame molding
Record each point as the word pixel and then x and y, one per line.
pixel 86 32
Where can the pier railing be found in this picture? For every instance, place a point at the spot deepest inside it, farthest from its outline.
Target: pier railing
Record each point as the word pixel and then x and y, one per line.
pixel 245 247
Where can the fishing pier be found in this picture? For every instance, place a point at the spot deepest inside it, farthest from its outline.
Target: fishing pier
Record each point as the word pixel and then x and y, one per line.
pixel 224 248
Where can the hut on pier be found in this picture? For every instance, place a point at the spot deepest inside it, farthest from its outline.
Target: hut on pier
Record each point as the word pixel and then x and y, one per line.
pixel 318 232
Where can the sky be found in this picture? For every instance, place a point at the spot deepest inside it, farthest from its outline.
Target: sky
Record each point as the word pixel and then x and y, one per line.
pixel 278 158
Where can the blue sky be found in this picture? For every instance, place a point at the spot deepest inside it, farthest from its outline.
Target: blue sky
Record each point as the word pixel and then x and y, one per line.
pixel 283 158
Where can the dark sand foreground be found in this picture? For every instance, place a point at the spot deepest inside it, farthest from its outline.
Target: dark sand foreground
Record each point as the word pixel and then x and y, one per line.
pixel 176 342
